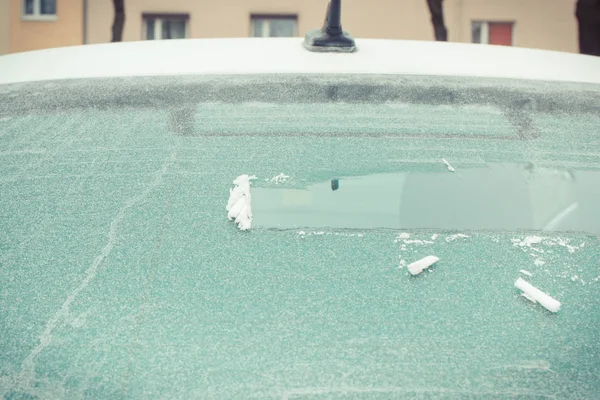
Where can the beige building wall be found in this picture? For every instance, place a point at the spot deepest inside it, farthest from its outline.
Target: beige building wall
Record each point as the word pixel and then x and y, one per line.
pixel 545 24
pixel 406 19
pixel 542 24
pixel 65 30
pixel 4 26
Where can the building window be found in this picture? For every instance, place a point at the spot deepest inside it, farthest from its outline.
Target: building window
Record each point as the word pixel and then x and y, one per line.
pixel 165 26
pixel 492 32
pixel 274 25
pixel 39 9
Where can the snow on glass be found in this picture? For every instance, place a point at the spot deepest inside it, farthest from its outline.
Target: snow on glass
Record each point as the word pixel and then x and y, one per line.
pixel 239 204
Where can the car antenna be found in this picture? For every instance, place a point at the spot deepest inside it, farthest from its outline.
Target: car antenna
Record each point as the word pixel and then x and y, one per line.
pixel 331 37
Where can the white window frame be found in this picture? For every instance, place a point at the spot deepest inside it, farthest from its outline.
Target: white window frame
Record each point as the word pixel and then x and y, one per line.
pixel 158 24
pixel 37 9
pixel 485 32
pixel 267 19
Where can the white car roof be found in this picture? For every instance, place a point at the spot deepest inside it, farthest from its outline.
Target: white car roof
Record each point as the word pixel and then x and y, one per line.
pixel 280 56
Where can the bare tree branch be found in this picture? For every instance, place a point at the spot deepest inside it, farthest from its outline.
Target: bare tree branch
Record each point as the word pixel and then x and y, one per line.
pixel 588 19
pixel 437 19
pixel 119 21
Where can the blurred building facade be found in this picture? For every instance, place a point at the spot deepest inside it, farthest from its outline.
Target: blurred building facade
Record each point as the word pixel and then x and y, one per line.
pixel 38 24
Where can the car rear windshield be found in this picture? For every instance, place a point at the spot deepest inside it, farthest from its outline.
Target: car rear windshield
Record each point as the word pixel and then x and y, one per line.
pixel 404 151
pixel 121 276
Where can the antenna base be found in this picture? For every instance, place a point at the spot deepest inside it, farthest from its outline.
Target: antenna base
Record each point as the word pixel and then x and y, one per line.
pixel 321 41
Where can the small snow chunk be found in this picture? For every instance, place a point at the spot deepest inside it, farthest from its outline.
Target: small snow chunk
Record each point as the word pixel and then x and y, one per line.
pixel 281 178
pixel 539 262
pixel 235 195
pixel 564 243
pixel 239 203
pixel 434 236
pixel 528 297
pixel 403 235
pixel 447 164
pixel 529 240
pixel 244 219
pixel 236 209
pixel 418 266
pixel 574 278
pixel 417 241
pixel 402 263
pixel 524 272
pixel 536 294
pixel 457 236
pixel 301 233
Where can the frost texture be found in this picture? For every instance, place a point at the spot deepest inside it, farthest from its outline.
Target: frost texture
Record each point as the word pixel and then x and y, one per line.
pixel 239 203
pixel 533 244
pixel 323 233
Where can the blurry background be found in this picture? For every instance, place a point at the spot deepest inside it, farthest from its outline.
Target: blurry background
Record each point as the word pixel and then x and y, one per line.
pixel 38 24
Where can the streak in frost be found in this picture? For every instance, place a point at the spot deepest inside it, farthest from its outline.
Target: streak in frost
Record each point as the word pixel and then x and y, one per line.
pixel 28 366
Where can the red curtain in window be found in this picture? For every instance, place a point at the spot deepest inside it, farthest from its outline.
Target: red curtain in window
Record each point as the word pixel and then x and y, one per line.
pixel 500 33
